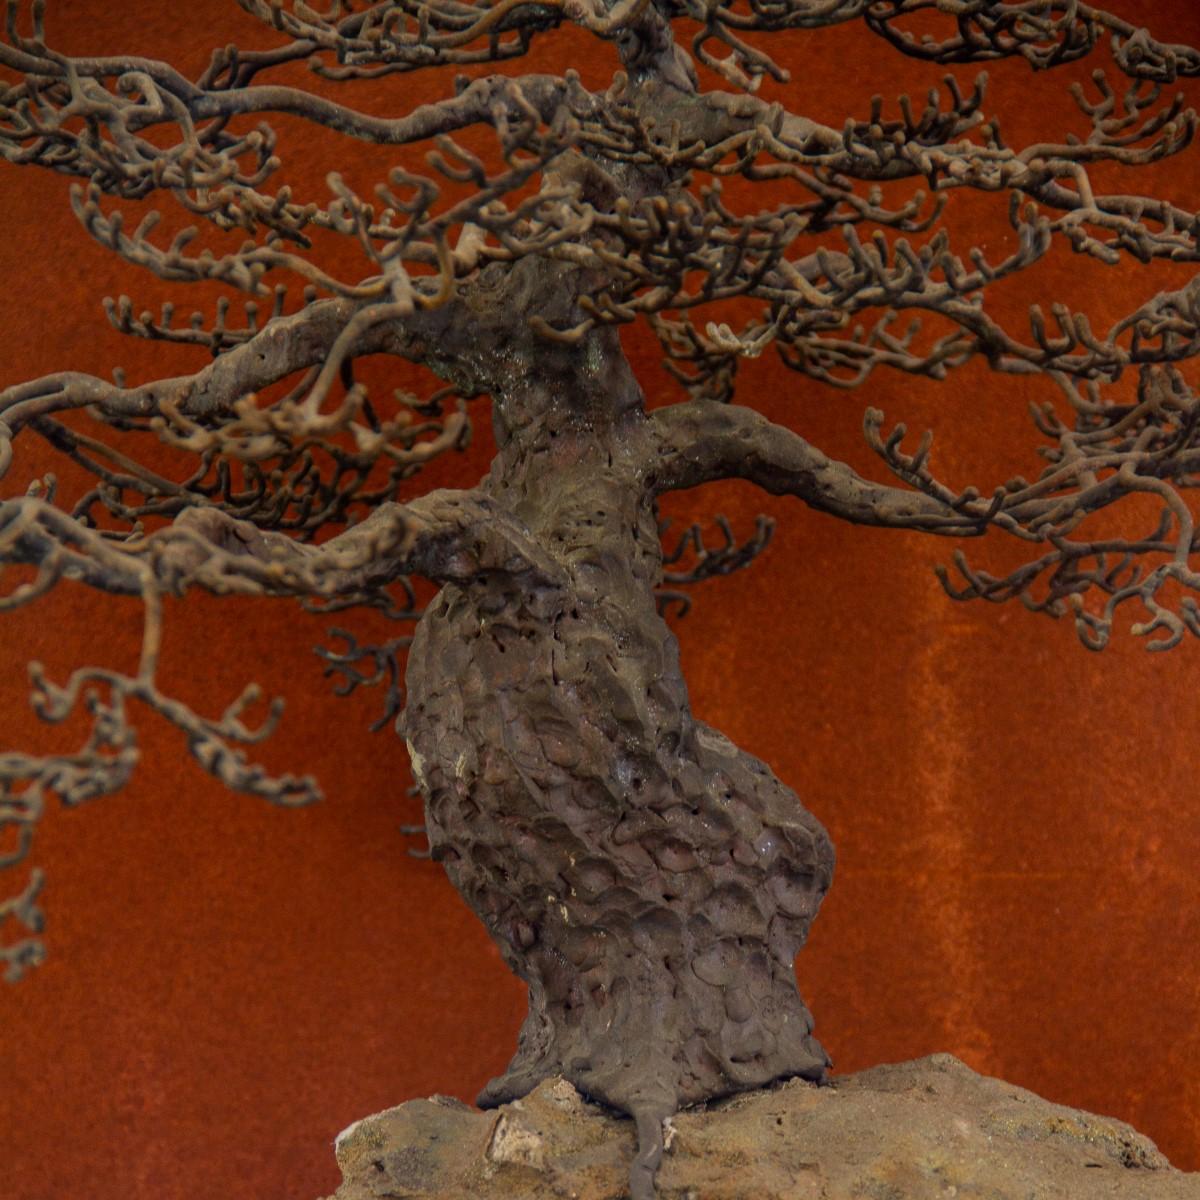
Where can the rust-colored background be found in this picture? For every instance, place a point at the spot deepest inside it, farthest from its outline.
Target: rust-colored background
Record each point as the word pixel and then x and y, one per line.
pixel 1016 819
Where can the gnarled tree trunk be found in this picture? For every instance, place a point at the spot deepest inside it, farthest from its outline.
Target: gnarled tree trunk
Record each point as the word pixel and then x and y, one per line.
pixel 648 880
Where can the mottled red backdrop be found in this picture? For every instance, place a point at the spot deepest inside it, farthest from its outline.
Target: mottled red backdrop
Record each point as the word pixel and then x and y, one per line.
pixel 228 985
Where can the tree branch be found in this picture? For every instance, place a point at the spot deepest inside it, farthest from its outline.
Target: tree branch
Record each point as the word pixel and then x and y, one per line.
pixel 1044 34
pixel 702 441
pixel 443 536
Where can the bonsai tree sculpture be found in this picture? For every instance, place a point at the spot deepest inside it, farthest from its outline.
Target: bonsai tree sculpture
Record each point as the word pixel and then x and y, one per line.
pixel 650 882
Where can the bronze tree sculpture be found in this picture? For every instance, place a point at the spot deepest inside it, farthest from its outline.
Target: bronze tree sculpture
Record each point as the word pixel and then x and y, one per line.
pixel 649 881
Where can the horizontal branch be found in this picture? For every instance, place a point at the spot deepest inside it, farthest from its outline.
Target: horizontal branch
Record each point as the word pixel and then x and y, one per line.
pixel 703 441
pixel 149 92
pixel 281 348
pixel 443 536
pixel 1044 34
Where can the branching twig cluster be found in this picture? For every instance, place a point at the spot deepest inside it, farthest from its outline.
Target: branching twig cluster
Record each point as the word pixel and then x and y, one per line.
pixel 1110 451
pixel 384 667
pixel 695 560
pixel 1046 33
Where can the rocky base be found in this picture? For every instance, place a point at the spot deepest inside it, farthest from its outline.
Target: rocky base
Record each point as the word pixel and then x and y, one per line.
pixel 924 1129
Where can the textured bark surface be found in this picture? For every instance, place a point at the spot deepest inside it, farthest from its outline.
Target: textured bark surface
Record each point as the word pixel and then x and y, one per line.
pixel 649 881
pixel 924 1130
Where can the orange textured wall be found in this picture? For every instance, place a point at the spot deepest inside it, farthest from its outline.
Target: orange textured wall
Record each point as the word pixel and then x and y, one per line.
pixel 1016 819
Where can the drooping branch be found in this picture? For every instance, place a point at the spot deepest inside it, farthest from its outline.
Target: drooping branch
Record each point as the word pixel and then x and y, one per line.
pixel 444 535
pixel 105 762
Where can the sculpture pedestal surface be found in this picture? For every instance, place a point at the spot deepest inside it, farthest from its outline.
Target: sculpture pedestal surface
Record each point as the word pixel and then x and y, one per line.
pixel 912 1131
